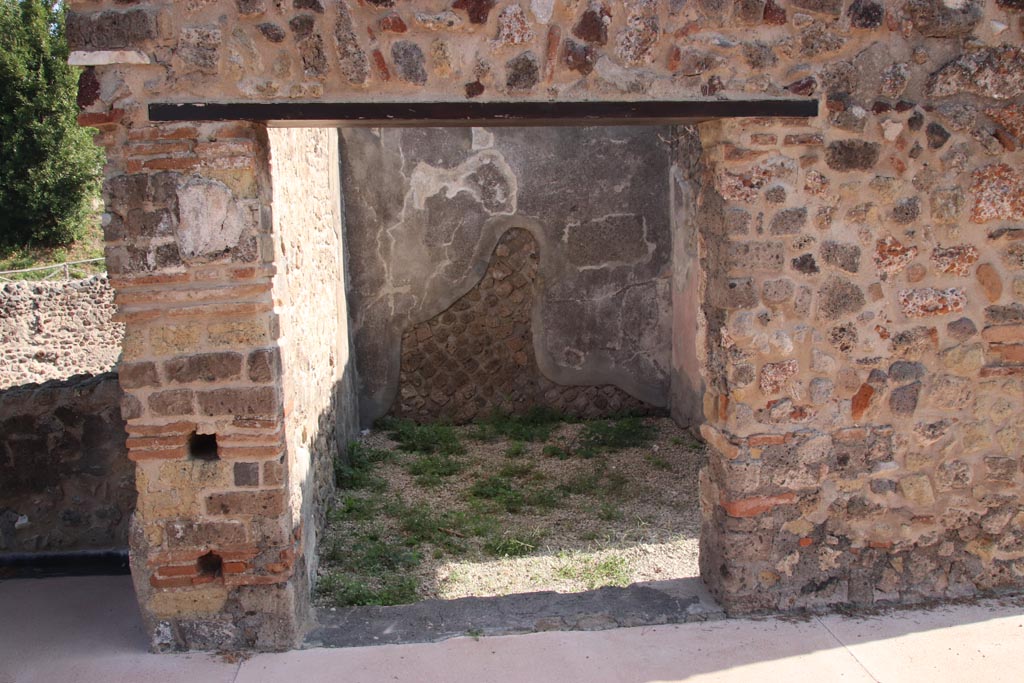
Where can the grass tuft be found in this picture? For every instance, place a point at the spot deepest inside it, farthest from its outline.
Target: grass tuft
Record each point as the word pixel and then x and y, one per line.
pixel 534 426
pixel 354 470
pixel 553 451
pixel 607 436
pixel 352 508
pixel 513 545
pixel 343 590
pixel 499 490
pixel 613 570
pixel 429 469
pixel 423 438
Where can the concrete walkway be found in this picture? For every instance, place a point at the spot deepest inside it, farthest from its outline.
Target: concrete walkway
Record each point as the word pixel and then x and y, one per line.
pixel 86 630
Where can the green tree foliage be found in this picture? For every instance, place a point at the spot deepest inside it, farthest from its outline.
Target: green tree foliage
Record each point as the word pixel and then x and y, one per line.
pixel 49 167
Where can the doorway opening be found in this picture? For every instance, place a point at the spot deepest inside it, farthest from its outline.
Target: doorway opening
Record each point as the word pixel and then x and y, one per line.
pixel 520 352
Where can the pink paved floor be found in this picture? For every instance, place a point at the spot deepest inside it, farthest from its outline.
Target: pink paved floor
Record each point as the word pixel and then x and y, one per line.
pixel 85 630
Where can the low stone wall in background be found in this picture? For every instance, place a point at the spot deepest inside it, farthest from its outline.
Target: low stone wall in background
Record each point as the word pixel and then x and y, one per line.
pixel 55 330
pixel 65 479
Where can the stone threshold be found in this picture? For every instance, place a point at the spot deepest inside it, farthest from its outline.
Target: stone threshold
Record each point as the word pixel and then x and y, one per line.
pixel 659 112
pixel 645 604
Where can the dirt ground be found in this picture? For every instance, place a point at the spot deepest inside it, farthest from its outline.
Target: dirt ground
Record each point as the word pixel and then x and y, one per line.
pixel 448 512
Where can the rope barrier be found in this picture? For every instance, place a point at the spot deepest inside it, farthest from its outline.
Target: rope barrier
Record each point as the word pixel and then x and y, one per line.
pixel 65 267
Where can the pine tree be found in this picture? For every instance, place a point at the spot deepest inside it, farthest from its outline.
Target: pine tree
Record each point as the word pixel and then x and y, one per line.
pixel 49 167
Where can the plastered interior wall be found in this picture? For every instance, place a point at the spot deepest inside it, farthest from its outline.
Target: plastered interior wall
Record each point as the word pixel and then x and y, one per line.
pixel 426 207
pixel 861 276
pixel 477 357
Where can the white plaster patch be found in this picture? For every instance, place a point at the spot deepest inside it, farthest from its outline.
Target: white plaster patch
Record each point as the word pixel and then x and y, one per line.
pixel 542 9
pixel 427 181
pixel 105 57
pixel 209 221
pixel 786 564
pixel 891 129
pixel 626 80
pixel 482 138
pixel 299 475
pixel 782 341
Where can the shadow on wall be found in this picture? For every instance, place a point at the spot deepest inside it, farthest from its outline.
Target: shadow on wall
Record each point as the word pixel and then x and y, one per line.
pixel 66 483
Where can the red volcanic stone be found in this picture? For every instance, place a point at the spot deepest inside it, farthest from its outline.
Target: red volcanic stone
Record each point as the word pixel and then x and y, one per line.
pixel 1005 139
pixel 866 14
pixel 675 57
pixel 88 88
pixel 580 57
pixel 713 86
pixel 956 260
pixel 1011 118
pixel 634 45
pixel 478 10
pixel 991 283
pixel 928 301
pixel 815 183
pixel 805 86
pixel 751 507
pixel 593 24
pixel 513 26
pixel 995 72
pixel 891 256
pixel 393 24
pixel 775 375
pixel 381 66
pixel 774 14
pixel 998 191
pixel 745 186
pixel 861 401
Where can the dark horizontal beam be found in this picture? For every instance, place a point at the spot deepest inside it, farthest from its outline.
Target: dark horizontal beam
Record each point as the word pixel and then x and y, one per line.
pixel 67 563
pixel 485 113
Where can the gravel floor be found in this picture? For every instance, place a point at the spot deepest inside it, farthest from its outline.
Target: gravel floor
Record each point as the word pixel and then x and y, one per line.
pixel 621 517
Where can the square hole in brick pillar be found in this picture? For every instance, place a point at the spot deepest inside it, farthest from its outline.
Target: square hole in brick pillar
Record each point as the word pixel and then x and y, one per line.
pixel 203 447
pixel 210 565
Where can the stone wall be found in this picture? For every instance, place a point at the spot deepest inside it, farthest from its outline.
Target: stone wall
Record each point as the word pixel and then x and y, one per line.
pixel 54 330
pixel 859 317
pixel 309 292
pixel 426 207
pixel 477 357
pixel 864 408
pixel 66 483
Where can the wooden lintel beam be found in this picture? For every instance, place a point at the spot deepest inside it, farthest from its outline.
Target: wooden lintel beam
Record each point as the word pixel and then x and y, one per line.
pixel 377 114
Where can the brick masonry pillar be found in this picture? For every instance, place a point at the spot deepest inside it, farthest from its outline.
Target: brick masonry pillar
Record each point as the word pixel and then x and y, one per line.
pixel 215 539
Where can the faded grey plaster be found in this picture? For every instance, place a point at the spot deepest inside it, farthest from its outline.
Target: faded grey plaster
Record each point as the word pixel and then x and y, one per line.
pixel 425 208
